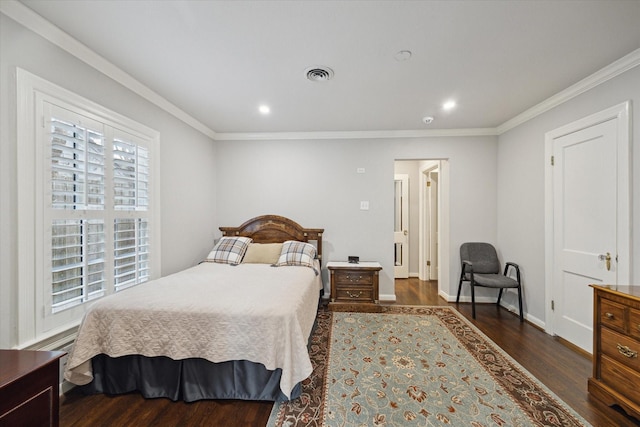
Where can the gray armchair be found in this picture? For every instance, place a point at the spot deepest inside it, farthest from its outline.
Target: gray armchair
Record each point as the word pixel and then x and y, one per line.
pixel 481 267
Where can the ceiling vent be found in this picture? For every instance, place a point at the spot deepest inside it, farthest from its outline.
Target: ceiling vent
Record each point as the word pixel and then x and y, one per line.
pixel 319 74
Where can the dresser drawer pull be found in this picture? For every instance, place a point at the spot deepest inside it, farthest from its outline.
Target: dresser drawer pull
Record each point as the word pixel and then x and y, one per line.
pixel 359 294
pixel 626 351
pixel 354 279
pixel 609 315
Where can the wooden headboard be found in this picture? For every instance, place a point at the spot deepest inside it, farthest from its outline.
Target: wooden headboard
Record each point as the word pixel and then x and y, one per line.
pixel 276 229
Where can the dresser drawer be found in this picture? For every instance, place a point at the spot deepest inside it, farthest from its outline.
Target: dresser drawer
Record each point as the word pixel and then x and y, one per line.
pixel 354 294
pixel 634 323
pixel 621 348
pixel 621 379
pixel 354 277
pixel 612 314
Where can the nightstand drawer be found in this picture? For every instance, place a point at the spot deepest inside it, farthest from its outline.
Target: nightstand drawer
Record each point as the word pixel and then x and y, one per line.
pixel 354 277
pixel 612 314
pixel 354 294
pixel 621 348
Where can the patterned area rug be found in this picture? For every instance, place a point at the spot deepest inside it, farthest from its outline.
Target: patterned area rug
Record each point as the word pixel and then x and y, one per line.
pixel 422 366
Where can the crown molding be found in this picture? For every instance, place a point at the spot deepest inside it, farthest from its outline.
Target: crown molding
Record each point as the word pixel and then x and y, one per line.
pixel 36 23
pixel 605 74
pixel 374 134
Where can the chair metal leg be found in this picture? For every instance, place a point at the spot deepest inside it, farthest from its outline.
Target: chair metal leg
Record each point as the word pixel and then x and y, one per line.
pixel 520 303
pixel 459 288
pixel 473 300
pixel 500 295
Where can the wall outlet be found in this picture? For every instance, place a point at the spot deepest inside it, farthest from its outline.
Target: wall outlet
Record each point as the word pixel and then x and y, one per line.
pixel 364 205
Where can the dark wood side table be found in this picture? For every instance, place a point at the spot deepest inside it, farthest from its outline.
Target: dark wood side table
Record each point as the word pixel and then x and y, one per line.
pixel 29 388
pixel 354 287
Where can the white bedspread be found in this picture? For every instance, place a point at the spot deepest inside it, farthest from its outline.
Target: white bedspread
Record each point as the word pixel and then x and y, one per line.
pixel 218 312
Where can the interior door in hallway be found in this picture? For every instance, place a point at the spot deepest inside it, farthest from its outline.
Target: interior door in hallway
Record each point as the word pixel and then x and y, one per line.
pixel 401 226
pixel 586 202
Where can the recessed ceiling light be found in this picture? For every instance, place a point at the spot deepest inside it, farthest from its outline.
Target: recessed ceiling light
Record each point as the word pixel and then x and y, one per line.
pixel 449 105
pixel 403 55
pixel 264 109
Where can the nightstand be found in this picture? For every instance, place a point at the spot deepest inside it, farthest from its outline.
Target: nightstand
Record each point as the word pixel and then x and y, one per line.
pixel 354 287
pixel 30 387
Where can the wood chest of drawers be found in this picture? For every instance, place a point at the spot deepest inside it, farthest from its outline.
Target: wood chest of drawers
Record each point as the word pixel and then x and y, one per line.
pixel 616 344
pixel 354 286
pixel 29 387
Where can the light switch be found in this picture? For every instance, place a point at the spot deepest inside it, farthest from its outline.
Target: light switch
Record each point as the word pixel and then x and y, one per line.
pixel 360 170
pixel 364 205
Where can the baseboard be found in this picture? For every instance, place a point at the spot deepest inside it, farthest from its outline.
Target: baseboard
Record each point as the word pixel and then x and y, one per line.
pixel 387 297
pixel 492 300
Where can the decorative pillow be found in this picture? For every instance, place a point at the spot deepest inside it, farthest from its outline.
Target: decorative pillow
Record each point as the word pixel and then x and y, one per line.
pixel 229 250
pixel 262 253
pixel 297 253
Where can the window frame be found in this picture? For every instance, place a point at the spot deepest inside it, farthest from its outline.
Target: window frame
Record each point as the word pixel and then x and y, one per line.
pixel 36 323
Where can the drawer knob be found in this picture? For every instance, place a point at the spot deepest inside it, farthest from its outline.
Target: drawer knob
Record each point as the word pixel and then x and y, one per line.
pixel 354 295
pixel 626 351
pixel 609 315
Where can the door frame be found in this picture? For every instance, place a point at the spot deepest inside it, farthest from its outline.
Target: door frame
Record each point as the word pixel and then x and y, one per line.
pixel 621 113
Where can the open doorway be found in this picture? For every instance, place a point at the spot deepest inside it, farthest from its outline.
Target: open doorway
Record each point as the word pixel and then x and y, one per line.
pixel 424 242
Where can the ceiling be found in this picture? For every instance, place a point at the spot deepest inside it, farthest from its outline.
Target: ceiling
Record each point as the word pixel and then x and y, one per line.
pixel 219 60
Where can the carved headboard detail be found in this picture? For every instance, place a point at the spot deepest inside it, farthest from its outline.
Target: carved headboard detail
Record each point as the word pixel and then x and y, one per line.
pixel 276 229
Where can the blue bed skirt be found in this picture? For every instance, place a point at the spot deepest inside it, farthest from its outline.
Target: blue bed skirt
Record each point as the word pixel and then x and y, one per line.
pixel 188 380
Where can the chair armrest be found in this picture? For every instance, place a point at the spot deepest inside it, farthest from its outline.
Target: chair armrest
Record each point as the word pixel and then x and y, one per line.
pixel 515 266
pixel 467 266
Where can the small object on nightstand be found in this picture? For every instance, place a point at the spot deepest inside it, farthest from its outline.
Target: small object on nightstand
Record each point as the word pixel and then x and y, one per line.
pixel 354 287
pixel 354 259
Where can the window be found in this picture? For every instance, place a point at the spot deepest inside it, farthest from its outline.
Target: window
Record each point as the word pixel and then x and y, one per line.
pixel 92 229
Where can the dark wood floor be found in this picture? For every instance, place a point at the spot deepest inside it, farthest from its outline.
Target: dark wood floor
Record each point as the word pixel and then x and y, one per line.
pixel 561 369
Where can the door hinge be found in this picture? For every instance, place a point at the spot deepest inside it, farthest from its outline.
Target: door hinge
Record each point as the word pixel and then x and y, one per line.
pixel 553 305
pixel 428 263
pixel 428 183
pixel 553 160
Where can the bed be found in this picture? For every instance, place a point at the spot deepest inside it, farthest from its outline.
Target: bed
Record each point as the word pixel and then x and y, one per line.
pixel 233 327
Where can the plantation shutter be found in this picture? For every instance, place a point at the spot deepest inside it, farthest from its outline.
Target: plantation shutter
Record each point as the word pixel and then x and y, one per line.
pixel 97 209
pixel 131 195
pixel 77 205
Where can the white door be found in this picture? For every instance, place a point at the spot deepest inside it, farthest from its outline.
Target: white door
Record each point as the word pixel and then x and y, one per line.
pixel 401 226
pixel 587 199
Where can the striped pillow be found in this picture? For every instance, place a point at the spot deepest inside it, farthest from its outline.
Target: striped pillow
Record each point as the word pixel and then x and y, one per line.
pixel 297 253
pixel 229 250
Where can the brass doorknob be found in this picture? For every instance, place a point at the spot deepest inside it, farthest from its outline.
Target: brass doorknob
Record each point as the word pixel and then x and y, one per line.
pixel 607 259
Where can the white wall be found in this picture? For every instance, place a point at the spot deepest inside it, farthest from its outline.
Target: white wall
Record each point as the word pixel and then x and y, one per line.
pixel 315 183
pixel 521 198
pixel 188 178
